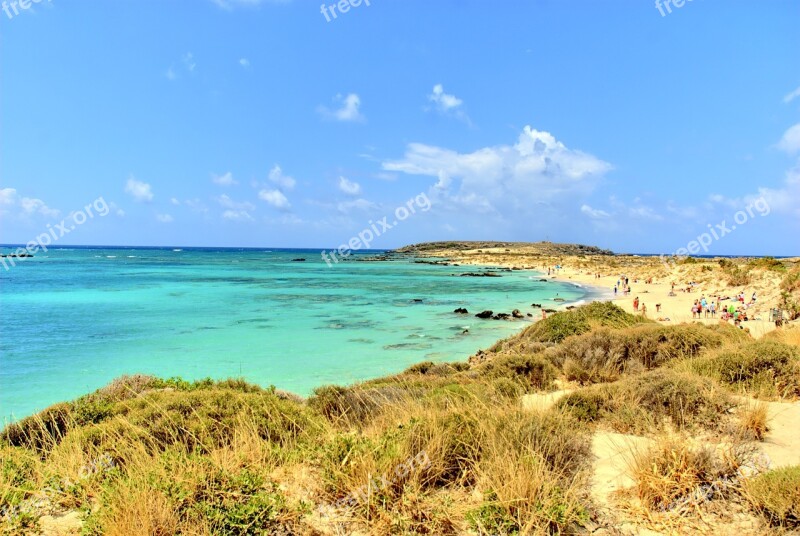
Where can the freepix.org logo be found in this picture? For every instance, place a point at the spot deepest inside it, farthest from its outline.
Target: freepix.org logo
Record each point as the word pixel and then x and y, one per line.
pixel 11 9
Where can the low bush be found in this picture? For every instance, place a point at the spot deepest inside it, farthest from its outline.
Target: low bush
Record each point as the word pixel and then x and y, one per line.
pixel 642 403
pixel 776 496
pixel 533 372
pixel 603 354
pixel 765 368
pixel 559 326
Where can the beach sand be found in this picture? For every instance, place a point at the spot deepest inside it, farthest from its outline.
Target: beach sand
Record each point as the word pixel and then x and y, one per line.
pixel 708 277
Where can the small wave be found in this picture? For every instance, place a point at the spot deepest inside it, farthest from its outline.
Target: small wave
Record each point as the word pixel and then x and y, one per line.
pixel 111 256
pixel 177 250
pixel 132 256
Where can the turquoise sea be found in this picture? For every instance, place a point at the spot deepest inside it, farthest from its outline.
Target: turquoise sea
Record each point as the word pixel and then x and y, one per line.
pixel 73 319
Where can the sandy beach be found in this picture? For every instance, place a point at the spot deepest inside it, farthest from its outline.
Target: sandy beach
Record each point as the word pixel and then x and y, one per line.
pixel 693 280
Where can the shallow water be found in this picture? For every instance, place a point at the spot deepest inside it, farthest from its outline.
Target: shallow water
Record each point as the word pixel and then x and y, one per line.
pixel 73 319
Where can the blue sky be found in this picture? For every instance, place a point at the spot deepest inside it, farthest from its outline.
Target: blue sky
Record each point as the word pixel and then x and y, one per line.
pixel 260 123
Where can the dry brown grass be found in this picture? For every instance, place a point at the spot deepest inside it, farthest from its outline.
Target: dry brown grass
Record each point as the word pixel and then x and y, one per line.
pixel 753 421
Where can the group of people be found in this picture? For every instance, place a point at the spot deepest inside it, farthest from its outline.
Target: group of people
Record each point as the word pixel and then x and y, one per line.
pixel 622 286
pixel 738 313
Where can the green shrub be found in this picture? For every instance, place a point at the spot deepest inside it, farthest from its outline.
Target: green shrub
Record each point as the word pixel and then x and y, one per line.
pixel 559 326
pixel 354 405
pixel 776 495
pixel 763 368
pixel 767 263
pixel 603 354
pixel 530 371
pixel 643 402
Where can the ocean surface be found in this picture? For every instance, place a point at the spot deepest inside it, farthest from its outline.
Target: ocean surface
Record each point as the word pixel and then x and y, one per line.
pixel 73 319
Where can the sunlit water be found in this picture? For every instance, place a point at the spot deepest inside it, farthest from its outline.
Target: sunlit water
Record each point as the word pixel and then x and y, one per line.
pixel 73 319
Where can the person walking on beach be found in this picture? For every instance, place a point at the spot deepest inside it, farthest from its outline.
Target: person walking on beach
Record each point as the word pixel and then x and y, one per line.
pixel 713 310
pixel 636 304
pixel 644 310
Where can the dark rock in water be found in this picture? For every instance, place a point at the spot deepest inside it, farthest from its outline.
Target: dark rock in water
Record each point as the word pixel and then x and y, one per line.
pixel 570 307
pixel 539 305
pixel 416 300
pixel 298 260
pixel 516 314
pixel 501 316
pixel 480 274
pixel 461 311
pixel 530 314
pixel 543 281
pixel 550 311
pixel 485 314
pixel 559 299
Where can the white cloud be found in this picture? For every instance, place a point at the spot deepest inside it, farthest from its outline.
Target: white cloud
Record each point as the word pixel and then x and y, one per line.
pixel 447 104
pixel 536 170
pixel 275 198
pixel 8 196
pixel 791 96
pixel 115 208
pixel 227 202
pixel 170 74
pixel 594 213
pixel 356 204
pixel 443 101
pixel 349 187
pixel 276 176
pixel 164 218
pixel 175 201
pixel 244 62
pixel 189 62
pixel 790 142
pixel 349 109
pixel 386 176
pixel 32 206
pixel 237 215
pixel 140 191
pixel 224 180
pixel 644 213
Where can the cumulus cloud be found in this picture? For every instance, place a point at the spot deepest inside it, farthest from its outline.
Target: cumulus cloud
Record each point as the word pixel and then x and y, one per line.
pixel 447 104
pixel 349 187
pixel 443 101
pixel 348 110
pixel 164 218
pixel 224 180
pixel 29 206
pixel 790 142
pixel 285 182
pixel 275 198
pixel 140 191
pixel 537 169
pixel 244 62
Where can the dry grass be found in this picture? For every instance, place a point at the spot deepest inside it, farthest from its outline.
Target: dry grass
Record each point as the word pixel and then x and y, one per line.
pixel 753 421
pixel 673 473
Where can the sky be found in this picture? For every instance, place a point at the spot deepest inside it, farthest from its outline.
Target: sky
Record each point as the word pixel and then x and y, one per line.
pixel 295 123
